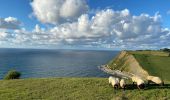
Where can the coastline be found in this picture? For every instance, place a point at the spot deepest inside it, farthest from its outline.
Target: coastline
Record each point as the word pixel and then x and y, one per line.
pixel 116 73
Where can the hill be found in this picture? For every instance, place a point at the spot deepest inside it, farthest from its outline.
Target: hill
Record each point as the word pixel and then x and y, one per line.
pixel 75 89
pixel 143 63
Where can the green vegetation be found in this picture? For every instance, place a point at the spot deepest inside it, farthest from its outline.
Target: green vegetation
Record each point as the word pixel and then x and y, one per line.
pixel 165 50
pixel 12 75
pixel 75 89
pixel 154 62
pixel 156 53
pixel 158 64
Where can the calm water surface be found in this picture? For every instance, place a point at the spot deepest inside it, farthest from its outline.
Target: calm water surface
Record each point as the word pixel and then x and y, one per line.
pixel 54 63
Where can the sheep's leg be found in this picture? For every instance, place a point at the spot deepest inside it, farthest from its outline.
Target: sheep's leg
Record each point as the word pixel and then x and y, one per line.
pixel 148 82
pixel 124 87
pixel 118 86
pixel 133 83
pixel 162 83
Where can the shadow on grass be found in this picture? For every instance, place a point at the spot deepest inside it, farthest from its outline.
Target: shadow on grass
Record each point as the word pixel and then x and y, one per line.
pixel 148 87
pixel 155 86
pixel 120 94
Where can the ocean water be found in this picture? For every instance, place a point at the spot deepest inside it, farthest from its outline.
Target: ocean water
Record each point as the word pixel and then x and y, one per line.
pixel 54 63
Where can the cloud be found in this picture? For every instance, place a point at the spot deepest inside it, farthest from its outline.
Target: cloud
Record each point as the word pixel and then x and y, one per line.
pixel 113 29
pixel 106 29
pixel 58 11
pixel 9 23
pixel 111 24
pixel 3 35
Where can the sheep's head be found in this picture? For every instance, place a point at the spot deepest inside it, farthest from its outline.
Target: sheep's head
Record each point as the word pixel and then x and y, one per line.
pixel 116 86
pixel 141 86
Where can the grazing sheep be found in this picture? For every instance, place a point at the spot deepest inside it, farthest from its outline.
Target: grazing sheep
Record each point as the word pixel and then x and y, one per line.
pixel 139 81
pixel 155 79
pixel 114 82
pixel 123 83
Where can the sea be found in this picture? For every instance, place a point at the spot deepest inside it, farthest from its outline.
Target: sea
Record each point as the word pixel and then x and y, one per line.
pixel 42 63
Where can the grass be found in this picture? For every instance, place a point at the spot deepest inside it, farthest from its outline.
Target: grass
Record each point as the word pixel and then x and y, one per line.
pixel 154 62
pixel 158 64
pixel 156 53
pixel 75 89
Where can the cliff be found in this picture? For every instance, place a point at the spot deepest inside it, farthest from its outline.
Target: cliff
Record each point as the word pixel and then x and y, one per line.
pixel 126 62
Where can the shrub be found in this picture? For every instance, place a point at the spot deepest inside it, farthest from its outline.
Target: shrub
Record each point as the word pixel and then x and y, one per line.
pixel 13 74
pixel 166 50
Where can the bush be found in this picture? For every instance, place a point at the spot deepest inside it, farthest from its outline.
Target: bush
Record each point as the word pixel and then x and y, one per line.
pixel 13 74
pixel 166 50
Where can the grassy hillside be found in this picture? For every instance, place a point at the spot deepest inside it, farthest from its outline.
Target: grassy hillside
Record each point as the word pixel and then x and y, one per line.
pixel 156 53
pixel 75 89
pixel 155 62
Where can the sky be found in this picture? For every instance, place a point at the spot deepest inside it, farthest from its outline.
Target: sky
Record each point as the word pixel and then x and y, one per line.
pixel 85 24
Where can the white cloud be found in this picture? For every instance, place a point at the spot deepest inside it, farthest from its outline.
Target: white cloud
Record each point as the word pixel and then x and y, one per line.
pixel 38 29
pixel 9 23
pixel 111 24
pixel 106 29
pixel 58 11
pixel 78 7
pixel 135 26
pixel 3 35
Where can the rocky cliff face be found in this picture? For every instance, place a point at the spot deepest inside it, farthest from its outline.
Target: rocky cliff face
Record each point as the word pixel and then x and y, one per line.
pixel 126 62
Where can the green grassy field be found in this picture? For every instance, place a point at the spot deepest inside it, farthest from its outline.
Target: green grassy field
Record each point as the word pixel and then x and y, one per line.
pixel 155 62
pixel 156 53
pixel 75 89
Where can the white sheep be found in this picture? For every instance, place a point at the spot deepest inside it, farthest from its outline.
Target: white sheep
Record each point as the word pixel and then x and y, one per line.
pixel 123 83
pixel 155 79
pixel 114 82
pixel 140 83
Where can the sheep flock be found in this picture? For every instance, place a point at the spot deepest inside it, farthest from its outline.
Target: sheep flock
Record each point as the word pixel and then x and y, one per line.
pixel 120 82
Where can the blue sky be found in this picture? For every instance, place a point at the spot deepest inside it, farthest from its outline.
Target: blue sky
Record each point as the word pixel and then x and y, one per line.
pixel 29 16
pixel 21 8
pixel 136 7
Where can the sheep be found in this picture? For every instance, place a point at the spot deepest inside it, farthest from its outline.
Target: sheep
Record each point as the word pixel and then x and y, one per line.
pixel 155 79
pixel 123 83
pixel 114 82
pixel 139 81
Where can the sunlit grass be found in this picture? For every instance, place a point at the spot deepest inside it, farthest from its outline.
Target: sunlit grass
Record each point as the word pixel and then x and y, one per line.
pixel 158 65
pixel 75 89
